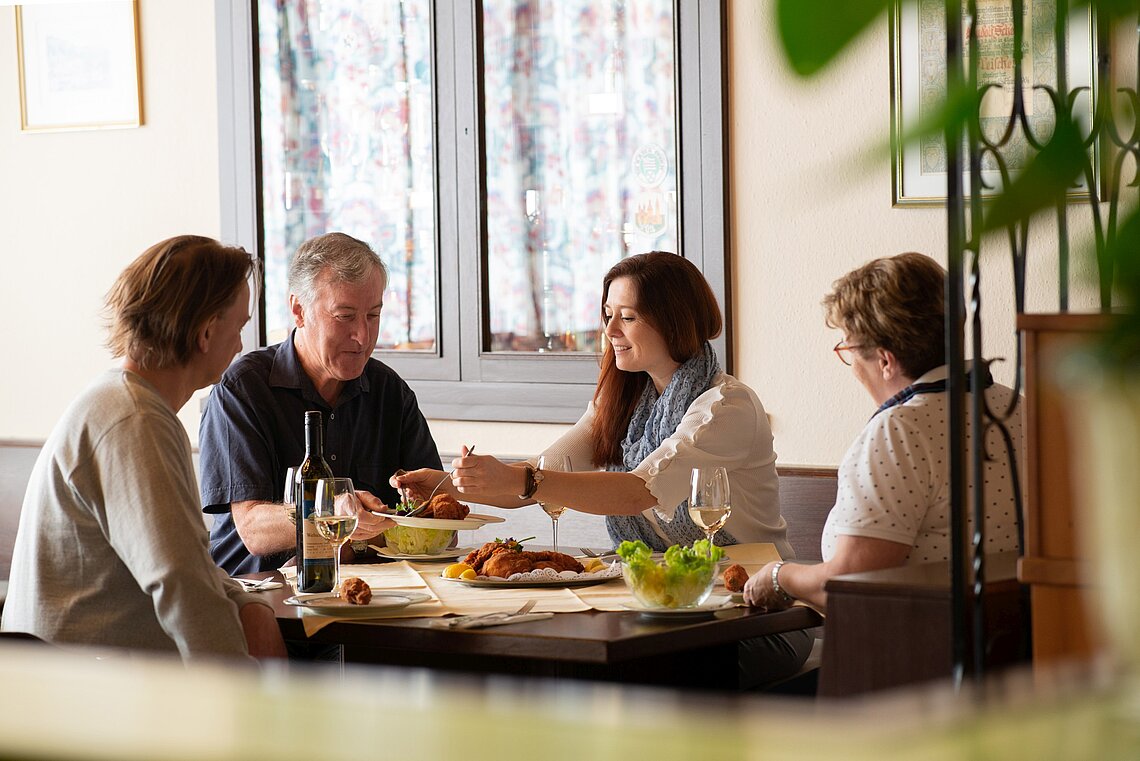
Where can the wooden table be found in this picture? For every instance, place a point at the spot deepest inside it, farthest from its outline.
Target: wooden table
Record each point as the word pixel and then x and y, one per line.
pixel 605 646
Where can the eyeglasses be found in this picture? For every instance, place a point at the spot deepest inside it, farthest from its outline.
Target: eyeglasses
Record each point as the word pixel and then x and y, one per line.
pixel 839 348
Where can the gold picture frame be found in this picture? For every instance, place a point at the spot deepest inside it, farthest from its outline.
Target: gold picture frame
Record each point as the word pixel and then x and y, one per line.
pixel 918 76
pixel 79 66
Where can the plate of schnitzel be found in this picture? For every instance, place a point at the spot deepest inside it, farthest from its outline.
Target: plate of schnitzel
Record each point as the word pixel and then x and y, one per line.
pixel 504 563
pixel 544 577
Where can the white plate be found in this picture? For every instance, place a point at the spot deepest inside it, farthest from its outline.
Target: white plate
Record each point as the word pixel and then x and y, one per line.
pixel 709 607
pixel 450 554
pixel 470 523
pixel 329 604
pixel 539 579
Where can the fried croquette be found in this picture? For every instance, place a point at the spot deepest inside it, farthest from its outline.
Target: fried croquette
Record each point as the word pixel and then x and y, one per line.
pixel 734 578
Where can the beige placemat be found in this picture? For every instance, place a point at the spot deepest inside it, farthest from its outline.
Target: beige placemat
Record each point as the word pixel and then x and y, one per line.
pixel 752 556
pixel 385 576
pixel 467 600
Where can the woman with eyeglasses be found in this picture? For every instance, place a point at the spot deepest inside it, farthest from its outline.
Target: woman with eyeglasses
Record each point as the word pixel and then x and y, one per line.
pixel 893 503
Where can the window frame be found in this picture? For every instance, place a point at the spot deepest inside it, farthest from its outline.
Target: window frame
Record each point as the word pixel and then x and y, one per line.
pixel 459 380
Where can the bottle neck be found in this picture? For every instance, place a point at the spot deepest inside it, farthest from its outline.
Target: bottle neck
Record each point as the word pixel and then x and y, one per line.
pixel 313 444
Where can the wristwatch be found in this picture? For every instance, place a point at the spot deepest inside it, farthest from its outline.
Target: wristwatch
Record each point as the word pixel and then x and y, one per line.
pixel 534 478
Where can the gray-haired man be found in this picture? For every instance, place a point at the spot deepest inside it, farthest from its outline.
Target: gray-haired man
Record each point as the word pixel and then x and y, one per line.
pixel 253 426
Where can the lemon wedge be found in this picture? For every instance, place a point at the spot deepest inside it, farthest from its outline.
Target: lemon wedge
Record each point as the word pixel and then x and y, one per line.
pixel 456 570
pixel 469 574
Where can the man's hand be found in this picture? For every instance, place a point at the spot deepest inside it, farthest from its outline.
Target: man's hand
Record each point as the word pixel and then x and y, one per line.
pixel 368 523
pixel 419 483
pixel 262 635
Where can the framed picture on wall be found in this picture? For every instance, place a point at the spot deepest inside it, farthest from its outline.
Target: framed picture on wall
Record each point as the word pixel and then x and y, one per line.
pixel 918 87
pixel 79 66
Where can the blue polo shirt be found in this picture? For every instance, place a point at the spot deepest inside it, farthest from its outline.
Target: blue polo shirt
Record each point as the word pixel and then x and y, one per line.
pixel 253 428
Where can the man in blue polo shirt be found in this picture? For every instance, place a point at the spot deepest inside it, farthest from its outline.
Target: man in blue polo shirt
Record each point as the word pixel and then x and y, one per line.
pixel 253 427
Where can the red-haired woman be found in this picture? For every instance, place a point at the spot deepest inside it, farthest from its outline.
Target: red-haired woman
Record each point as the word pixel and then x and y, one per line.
pixel 662 407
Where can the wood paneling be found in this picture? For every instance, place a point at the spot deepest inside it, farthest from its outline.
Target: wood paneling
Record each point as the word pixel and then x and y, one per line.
pixel 1052 567
pixel 891 628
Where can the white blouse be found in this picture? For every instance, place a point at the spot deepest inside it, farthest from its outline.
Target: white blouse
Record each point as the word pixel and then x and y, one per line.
pixel 724 426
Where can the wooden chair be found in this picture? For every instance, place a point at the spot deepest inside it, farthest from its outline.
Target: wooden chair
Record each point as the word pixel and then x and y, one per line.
pixel 806 497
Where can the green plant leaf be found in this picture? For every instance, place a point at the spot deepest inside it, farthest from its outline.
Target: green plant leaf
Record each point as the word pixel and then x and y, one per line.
pixel 814 32
pixel 1044 180
pixel 1121 348
pixel 958 109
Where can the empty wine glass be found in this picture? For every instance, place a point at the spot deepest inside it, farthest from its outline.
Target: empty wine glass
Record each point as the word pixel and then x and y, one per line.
pixel 290 498
pixel 335 515
pixel 709 503
pixel 559 464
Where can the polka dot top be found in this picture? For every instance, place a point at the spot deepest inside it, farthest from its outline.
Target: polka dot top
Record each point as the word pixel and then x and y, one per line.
pixel 894 479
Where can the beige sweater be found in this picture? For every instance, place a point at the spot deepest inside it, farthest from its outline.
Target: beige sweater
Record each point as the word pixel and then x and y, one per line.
pixel 111 549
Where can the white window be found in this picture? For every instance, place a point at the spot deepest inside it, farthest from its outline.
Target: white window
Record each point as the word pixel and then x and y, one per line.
pixel 499 156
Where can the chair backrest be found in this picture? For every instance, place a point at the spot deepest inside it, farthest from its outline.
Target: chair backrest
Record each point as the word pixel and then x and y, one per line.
pixel 16 461
pixel 806 497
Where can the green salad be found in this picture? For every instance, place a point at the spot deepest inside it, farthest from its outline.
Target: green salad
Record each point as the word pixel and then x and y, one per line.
pixel 683 578
pixel 407 540
pixel 417 541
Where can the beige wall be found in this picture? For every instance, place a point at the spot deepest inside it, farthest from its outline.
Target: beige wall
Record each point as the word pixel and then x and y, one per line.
pixel 806 208
pixel 76 207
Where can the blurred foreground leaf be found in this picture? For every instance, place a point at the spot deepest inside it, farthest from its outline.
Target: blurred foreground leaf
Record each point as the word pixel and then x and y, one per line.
pixel 814 32
pixel 958 109
pixel 1044 180
pixel 1122 347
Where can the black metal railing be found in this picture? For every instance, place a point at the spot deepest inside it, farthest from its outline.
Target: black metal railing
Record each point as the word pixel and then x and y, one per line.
pixel 989 151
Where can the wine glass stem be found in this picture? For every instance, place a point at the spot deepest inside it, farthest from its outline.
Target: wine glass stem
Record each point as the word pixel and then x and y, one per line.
pixel 554 522
pixel 336 570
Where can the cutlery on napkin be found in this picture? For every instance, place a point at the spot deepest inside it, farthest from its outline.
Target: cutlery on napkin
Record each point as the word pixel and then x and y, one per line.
pixel 482 622
pixel 264 585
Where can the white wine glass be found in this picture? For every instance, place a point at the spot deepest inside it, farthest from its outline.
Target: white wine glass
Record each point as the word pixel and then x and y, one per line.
pixel 289 499
pixel 335 514
pixel 557 463
pixel 709 500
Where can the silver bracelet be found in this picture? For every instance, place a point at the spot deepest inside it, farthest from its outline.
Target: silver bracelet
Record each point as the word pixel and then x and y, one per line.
pixel 776 582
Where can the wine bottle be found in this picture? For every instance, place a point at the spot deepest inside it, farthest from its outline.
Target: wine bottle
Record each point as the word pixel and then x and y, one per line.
pixel 315 566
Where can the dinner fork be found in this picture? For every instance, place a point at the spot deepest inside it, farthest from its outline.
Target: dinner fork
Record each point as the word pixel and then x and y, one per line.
pixel 473 621
pixel 470 450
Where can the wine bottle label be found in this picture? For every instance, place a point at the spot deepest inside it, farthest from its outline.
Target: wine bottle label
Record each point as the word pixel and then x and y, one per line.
pixel 316 546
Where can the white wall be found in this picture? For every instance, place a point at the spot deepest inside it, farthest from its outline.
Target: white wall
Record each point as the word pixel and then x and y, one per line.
pixel 75 208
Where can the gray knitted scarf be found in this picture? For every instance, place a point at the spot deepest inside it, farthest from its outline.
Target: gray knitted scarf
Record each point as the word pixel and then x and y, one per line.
pixel 655 419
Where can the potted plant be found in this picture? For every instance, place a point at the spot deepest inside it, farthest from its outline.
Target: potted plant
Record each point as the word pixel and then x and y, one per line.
pixel 1106 421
